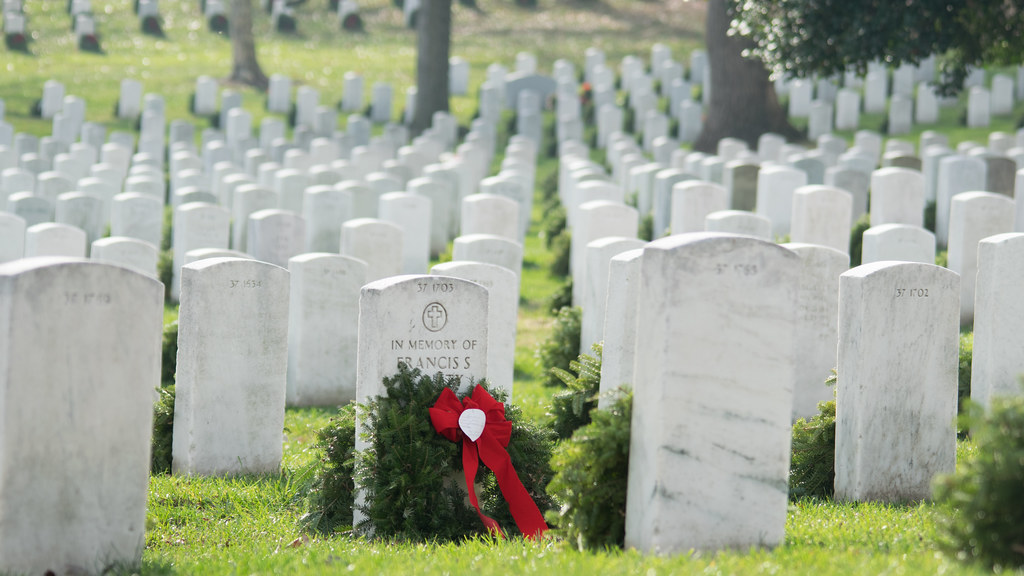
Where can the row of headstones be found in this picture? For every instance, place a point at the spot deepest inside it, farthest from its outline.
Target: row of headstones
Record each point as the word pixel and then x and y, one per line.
pixel 716 352
pixel 289 185
pixel 501 212
pixel 82 24
pixel 831 163
pixel 717 342
pixel 604 226
pixel 816 214
pixel 904 108
pixel 843 105
pixel 234 331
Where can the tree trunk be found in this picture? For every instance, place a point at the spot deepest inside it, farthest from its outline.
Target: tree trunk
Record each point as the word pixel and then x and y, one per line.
pixel 245 69
pixel 433 43
pixel 743 101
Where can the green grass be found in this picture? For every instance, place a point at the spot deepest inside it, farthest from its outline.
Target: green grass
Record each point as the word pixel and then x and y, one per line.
pixel 245 525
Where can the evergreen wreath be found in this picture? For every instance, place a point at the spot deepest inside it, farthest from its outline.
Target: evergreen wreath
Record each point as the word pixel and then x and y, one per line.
pixel 218 23
pixel 812 466
pixel 16 41
pixel 352 23
pixel 591 476
pixel 410 474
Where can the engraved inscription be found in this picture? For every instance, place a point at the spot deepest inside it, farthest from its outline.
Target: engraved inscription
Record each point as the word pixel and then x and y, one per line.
pixel 738 269
pixel 434 287
pixel 246 283
pixel 911 293
pixel 435 317
pixel 446 351
pixel 87 298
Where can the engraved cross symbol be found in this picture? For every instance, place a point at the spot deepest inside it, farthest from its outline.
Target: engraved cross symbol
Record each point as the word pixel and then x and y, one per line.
pixel 434 313
pixel 434 317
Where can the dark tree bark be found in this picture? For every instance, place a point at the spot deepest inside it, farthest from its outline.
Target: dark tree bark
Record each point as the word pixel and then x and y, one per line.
pixel 245 69
pixel 743 101
pixel 433 43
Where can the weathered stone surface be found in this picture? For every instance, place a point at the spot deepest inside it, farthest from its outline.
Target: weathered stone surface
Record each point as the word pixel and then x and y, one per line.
pixel 998 357
pixel 715 352
pixel 80 352
pixel 896 400
pixel 231 368
pixel 322 320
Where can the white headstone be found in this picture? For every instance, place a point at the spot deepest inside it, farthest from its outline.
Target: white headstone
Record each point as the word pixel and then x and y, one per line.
pixel 718 319
pixel 380 107
pixel 129 252
pixel 896 400
pixel 231 368
pixel 83 211
pixel 926 106
pixel 275 236
pixel 620 323
pixel 597 219
pixel 817 330
pixel 197 225
pixel 897 197
pixel 411 213
pixel 279 94
pixel 75 439
pixel 901 242
pixel 998 356
pixel 12 237
pixel 692 201
pixel 322 321
pixel 847 109
pixel 248 198
pixel 1002 95
pixel 51 239
pixel 431 323
pixel 956 174
pixel 324 209
pixel 595 286
pixel 490 214
pixel 489 249
pixel 775 188
pixel 820 216
pixel 502 309
pixel 979 108
pixel 972 217
pixel 376 242
pixel 129 103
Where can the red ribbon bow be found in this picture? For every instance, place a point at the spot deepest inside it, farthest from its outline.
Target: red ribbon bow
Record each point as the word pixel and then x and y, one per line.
pixel 447 414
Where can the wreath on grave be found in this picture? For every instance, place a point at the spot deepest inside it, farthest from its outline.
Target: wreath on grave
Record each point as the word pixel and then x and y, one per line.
pixel 285 23
pixel 151 26
pixel 88 43
pixel 16 41
pixel 219 23
pixel 352 23
pixel 412 474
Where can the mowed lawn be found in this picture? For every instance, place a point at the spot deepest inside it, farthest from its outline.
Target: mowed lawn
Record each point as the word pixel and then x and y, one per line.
pixel 250 525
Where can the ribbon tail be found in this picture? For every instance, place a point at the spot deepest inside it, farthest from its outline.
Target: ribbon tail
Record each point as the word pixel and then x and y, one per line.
pixel 470 464
pixel 524 510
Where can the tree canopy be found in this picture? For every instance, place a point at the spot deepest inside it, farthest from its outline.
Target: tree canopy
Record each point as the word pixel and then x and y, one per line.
pixel 804 37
